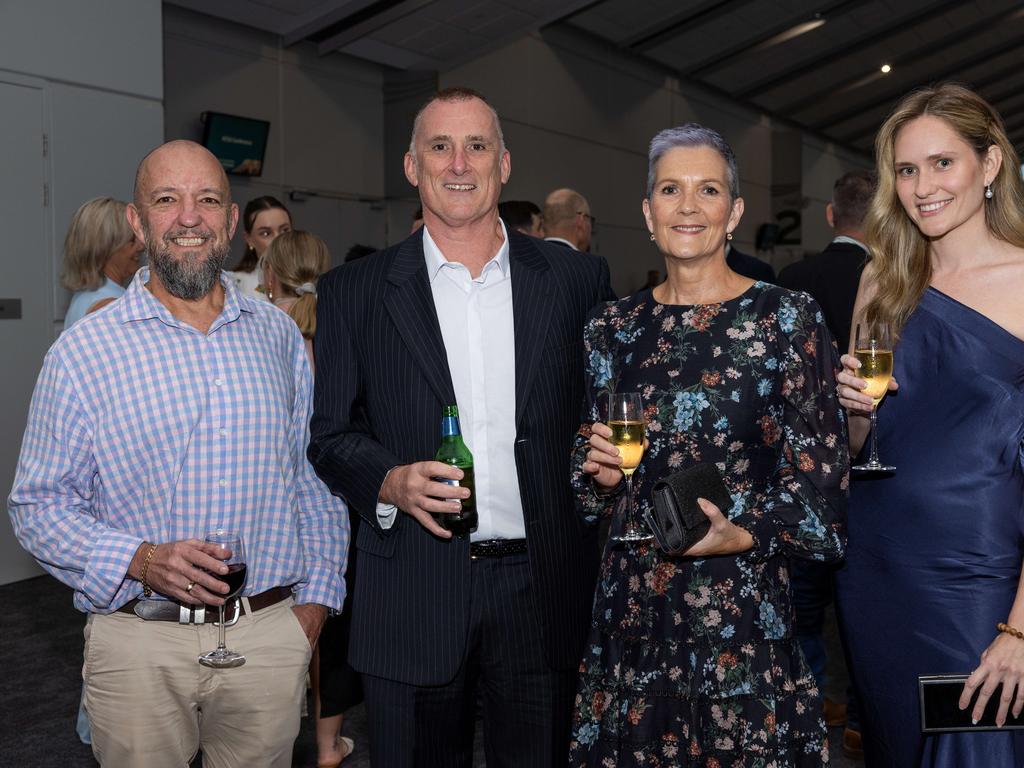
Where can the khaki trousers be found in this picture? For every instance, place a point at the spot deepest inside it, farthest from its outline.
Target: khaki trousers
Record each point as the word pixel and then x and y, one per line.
pixel 151 704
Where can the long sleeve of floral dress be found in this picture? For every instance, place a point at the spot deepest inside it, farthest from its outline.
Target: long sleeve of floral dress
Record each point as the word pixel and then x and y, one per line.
pixel 803 512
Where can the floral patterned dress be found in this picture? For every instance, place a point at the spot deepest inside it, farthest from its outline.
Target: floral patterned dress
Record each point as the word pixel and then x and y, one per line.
pixel 692 662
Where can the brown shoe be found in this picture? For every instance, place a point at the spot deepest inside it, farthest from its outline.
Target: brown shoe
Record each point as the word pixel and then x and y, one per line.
pixel 853 746
pixel 833 712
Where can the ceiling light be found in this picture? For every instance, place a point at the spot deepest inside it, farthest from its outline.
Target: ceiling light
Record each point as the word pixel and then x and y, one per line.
pixel 886 69
pixel 795 31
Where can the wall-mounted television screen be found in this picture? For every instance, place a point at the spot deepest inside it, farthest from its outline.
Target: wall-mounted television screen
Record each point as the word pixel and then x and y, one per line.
pixel 238 142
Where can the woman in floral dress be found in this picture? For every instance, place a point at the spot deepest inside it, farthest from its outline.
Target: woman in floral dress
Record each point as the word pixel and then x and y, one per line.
pixel 691 659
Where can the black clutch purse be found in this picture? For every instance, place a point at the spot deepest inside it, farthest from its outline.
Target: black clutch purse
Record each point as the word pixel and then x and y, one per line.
pixel 676 519
pixel 940 707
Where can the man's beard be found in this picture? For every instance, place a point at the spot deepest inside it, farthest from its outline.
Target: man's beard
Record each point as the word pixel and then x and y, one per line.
pixel 190 277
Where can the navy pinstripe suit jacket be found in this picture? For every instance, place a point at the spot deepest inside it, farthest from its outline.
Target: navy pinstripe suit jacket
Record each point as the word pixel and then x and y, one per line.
pixel 381 380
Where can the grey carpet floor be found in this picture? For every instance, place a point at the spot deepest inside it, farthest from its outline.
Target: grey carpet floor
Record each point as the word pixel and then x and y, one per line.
pixel 41 658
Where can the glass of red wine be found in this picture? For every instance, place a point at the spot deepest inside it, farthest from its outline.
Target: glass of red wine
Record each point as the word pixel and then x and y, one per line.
pixel 233 553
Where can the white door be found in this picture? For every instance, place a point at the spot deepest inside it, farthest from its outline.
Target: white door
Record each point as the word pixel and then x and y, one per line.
pixel 25 277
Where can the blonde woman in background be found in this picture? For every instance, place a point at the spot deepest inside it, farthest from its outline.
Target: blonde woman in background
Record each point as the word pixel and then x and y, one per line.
pixel 101 255
pixel 291 265
pixel 935 548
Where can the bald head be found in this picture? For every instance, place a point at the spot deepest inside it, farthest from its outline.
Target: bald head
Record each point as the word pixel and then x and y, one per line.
pixel 567 215
pixel 172 154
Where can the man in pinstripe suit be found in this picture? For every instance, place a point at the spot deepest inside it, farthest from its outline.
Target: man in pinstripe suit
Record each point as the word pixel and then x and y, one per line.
pixel 462 312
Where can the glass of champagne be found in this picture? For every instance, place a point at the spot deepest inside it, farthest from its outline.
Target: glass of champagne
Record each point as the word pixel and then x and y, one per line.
pixel 230 545
pixel 873 350
pixel 626 419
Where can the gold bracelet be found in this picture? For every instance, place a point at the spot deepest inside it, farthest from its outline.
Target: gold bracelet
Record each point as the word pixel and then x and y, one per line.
pixel 146 589
pixel 1010 630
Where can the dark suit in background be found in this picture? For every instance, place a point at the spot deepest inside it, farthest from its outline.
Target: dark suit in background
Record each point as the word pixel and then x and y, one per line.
pixel 749 266
pixel 382 380
pixel 831 277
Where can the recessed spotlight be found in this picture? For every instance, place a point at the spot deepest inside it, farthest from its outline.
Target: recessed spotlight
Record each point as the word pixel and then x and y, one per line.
pixel 886 69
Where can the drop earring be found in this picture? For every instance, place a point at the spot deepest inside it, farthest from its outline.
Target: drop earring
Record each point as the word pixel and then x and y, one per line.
pixel 988 192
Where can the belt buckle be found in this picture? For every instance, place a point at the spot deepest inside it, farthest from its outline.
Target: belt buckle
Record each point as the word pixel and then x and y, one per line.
pixel 237 603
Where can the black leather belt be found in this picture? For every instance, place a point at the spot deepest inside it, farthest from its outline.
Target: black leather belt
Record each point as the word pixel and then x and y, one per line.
pixel 168 610
pixel 479 550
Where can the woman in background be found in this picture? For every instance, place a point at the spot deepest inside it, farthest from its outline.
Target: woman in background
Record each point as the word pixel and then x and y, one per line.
pixel 101 255
pixel 264 219
pixel 934 557
pixel 291 266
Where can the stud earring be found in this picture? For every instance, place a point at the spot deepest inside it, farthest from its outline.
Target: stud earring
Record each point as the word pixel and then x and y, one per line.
pixel 728 235
pixel 988 192
pixel 652 237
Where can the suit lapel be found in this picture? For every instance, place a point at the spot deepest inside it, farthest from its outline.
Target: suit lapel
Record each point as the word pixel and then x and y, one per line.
pixel 531 309
pixel 410 303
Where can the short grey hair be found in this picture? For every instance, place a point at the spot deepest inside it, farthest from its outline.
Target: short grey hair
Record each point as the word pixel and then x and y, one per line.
pixel 692 135
pixel 455 93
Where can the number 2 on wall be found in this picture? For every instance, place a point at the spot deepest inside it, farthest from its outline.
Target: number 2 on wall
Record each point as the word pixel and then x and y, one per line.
pixel 789 228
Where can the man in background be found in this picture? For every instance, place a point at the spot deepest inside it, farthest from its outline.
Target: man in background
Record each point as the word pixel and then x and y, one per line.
pixel 522 216
pixel 833 275
pixel 567 220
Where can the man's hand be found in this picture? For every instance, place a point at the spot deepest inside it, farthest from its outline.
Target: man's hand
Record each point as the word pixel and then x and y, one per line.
pixel 311 617
pixel 412 488
pixel 177 564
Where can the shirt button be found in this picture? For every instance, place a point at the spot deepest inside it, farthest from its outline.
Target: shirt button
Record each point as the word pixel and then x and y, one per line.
pixel 218 382
pixel 223 482
pixel 223 432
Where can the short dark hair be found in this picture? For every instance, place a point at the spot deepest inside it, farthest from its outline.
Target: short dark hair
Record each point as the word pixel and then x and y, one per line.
pixel 359 251
pixel 851 198
pixel 518 213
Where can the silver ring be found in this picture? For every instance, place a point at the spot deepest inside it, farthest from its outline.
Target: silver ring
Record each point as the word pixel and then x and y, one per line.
pixel 189 587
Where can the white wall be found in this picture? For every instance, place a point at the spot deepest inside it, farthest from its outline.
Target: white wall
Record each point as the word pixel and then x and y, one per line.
pixel 326 121
pixel 97 68
pixel 580 114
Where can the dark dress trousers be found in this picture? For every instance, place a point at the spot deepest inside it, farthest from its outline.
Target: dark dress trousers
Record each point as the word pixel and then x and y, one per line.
pixel 382 380
pixel 749 266
pixel 832 278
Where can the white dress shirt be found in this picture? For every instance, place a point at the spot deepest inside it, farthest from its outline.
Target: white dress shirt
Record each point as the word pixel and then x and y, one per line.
pixel 475 316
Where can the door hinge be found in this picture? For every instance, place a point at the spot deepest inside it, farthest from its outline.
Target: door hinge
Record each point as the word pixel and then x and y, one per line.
pixel 46 195
pixel 46 145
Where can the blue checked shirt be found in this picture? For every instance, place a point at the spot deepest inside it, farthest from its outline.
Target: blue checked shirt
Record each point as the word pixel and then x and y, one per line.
pixel 143 428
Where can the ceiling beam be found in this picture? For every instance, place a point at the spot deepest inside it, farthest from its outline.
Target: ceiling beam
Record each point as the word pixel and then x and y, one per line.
pixel 367 26
pixel 670 27
pixel 320 19
pixel 751 45
pixel 954 68
pixel 850 48
pixel 982 27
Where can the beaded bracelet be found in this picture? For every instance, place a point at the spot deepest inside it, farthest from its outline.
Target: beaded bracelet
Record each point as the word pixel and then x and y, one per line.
pixel 146 589
pixel 1010 630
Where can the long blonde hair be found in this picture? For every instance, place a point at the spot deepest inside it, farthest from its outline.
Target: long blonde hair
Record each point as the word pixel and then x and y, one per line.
pixel 899 252
pixel 297 259
pixel 98 228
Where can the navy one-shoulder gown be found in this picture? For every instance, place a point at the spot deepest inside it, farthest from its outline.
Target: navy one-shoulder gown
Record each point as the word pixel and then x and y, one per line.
pixel 935 549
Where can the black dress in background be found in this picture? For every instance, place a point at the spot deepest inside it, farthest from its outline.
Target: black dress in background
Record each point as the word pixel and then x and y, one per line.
pixel 340 685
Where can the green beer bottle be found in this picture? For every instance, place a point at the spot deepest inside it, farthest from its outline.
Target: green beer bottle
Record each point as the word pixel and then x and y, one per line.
pixel 453 451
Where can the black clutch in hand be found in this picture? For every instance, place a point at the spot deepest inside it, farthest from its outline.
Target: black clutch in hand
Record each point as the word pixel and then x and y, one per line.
pixel 677 521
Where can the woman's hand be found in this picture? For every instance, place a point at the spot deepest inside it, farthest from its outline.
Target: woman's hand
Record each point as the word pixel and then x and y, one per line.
pixel 1002 662
pixel 850 385
pixel 603 460
pixel 724 538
